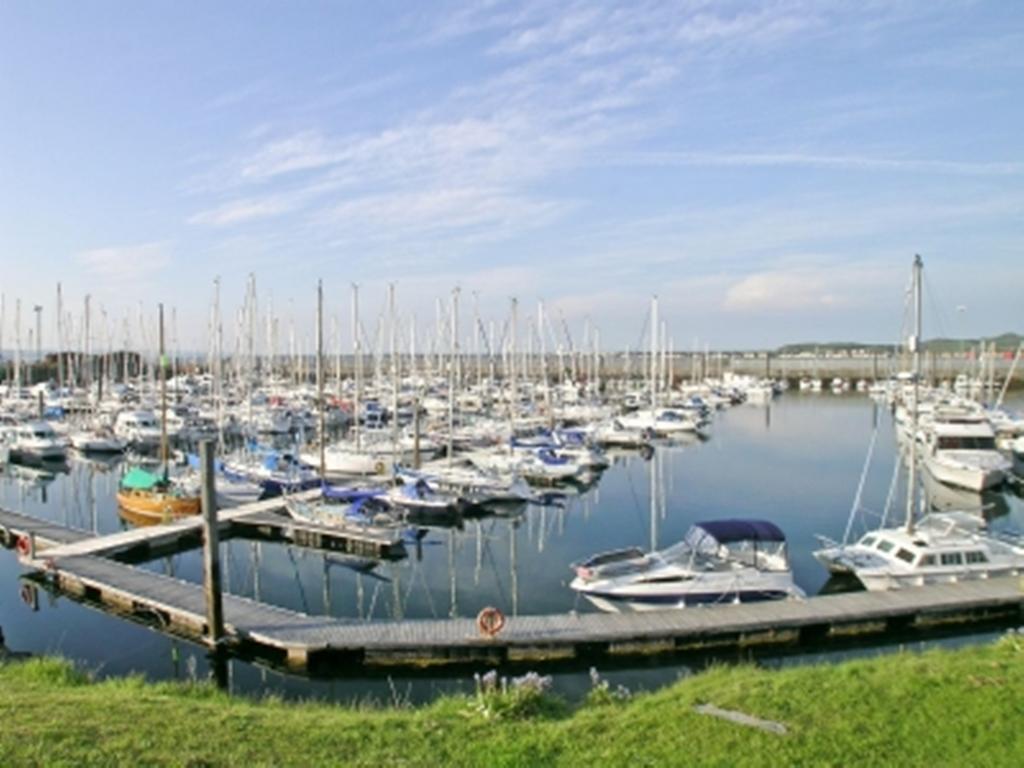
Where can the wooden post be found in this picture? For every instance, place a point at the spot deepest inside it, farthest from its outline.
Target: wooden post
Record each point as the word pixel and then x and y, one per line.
pixel 211 548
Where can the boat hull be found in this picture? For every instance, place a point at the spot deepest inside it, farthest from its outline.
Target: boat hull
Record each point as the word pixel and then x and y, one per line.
pixel 152 508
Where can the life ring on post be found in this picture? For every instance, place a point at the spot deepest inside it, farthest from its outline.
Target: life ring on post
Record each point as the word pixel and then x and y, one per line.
pixel 490 621
pixel 24 546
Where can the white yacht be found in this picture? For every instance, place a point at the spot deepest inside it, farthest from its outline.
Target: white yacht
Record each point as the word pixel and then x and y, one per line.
pixel 473 483
pixel 664 422
pixel 537 465
pixel 138 428
pixel 36 440
pixel 941 548
pixel 612 433
pixel 960 449
pixel 97 439
pixel 719 561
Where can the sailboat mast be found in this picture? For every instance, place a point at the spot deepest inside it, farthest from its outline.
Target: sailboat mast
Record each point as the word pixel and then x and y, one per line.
pixel 357 353
pixel 163 397
pixel 452 375
pixel 513 399
pixel 915 349
pixel 320 371
pixel 654 352
pixel 393 355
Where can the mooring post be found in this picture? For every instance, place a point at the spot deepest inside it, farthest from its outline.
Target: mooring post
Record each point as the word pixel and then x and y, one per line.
pixel 211 548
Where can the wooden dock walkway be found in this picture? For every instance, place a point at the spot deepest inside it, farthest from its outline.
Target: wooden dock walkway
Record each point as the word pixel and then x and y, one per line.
pixel 47 533
pixel 262 519
pixel 301 642
pixel 81 566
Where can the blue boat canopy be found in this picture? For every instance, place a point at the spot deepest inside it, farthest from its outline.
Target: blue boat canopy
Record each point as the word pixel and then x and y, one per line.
pixel 726 531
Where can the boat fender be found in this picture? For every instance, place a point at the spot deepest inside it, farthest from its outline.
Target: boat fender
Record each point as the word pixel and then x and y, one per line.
pixel 24 546
pixel 490 621
pixel 6 537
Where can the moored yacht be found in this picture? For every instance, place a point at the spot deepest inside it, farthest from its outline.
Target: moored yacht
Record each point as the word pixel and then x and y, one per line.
pixel 36 440
pixel 719 561
pixel 941 548
pixel 960 449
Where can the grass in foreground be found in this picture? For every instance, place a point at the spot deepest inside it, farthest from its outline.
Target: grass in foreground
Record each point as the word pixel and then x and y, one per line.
pixel 937 708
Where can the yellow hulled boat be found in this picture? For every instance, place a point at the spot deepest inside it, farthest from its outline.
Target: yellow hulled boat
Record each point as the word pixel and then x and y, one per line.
pixel 147 499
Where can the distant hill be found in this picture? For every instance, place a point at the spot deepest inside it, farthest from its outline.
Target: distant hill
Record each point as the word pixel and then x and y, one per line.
pixel 1006 342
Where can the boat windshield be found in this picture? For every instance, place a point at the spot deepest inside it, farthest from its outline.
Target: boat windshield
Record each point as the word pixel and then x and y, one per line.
pixel 701 546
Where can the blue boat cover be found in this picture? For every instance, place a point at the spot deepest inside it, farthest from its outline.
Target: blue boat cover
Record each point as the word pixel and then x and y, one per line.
pixel 736 529
pixel 548 456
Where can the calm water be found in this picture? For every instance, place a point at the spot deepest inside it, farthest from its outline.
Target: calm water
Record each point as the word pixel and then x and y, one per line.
pixel 796 462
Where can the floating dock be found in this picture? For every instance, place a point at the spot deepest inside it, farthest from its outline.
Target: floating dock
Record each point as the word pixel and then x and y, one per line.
pixel 81 566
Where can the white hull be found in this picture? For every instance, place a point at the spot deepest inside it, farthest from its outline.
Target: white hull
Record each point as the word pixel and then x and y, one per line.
pixel 890 581
pixel 955 474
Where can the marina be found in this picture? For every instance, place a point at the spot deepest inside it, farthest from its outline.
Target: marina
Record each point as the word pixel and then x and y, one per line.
pixel 152 575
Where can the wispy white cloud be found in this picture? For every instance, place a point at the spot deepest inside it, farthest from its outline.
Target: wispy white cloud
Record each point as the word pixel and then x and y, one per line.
pixel 239 211
pixel 800 288
pixel 804 160
pixel 125 264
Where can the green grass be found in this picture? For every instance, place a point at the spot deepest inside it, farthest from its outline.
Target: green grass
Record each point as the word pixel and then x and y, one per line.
pixel 937 708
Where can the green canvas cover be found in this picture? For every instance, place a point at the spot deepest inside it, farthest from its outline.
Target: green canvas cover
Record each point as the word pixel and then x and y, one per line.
pixel 138 479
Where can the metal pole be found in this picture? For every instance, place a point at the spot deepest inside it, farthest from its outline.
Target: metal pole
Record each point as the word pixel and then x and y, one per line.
pixel 211 548
pixel 320 373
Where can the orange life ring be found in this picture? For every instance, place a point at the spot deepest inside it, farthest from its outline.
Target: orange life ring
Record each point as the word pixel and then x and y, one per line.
pixel 490 621
pixel 24 546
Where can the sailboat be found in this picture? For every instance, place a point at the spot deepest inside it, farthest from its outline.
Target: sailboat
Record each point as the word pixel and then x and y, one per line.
pixel 147 498
pixel 940 547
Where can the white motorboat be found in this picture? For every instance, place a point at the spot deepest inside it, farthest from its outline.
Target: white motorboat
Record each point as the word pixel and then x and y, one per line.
pixel 960 449
pixel 719 561
pixel 100 440
pixel 36 440
pixel 139 428
pixel 664 422
pixel 538 465
pixel 471 482
pixel 941 548
pixel 613 434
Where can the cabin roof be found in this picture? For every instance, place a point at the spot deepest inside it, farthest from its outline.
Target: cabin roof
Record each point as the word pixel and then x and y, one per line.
pixel 742 529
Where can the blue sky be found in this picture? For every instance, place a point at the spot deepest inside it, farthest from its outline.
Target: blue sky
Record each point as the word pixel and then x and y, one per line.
pixel 768 169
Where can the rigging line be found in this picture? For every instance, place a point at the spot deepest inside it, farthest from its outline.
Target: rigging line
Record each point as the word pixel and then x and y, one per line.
pixel 298 580
pixel 412 583
pixel 489 556
pixel 933 304
pixel 643 332
pixel 482 336
pixel 636 503
pixel 860 486
pixel 892 489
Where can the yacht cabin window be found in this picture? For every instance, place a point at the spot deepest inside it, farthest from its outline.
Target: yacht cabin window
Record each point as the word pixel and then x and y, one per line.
pixel 885 546
pixel 952 558
pixel 905 555
pixel 948 443
pixel 974 558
